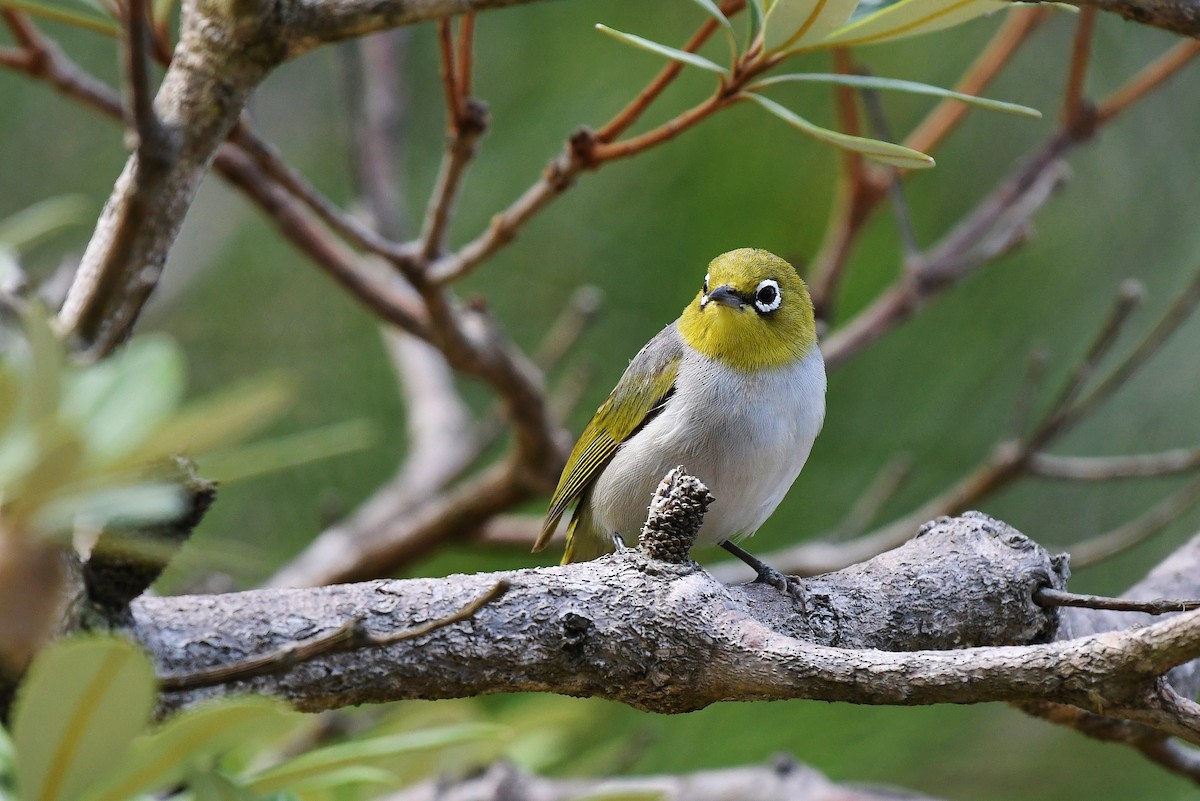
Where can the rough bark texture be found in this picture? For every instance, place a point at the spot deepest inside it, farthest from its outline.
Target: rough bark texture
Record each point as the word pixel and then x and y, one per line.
pixel 653 634
pixel 1177 16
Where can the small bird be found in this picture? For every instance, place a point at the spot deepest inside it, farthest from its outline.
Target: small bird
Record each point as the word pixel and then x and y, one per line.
pixel 734 390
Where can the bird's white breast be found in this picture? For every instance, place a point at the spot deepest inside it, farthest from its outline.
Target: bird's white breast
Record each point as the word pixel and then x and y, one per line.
pixel 745 435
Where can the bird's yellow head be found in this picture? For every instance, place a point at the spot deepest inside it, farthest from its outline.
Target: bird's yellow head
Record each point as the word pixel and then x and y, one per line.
pixel 754 312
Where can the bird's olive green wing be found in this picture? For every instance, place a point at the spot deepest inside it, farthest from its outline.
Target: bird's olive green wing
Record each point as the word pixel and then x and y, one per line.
pixel 639 395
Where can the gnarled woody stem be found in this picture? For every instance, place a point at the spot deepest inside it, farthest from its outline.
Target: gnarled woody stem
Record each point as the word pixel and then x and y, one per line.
pixel 657 635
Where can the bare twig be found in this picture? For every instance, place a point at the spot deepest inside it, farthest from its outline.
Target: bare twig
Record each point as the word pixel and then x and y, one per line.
pixel 137 70
pixel 1177 314
pixel 1048 596
pixel 1035 374
pixel 1146 81
pixel 1130 295
pixel 1137 530
pixel 885 485
pixel 1105 468
pixel 1077 113
pixel 467 120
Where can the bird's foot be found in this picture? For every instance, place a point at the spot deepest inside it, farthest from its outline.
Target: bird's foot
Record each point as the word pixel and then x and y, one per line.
pixel 619 542
pixel 788 585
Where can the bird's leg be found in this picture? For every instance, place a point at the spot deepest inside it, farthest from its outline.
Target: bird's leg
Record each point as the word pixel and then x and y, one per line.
pixel 618 542
pixel 766 573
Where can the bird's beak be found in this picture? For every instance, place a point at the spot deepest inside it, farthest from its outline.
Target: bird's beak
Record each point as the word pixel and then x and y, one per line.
pixel 724 295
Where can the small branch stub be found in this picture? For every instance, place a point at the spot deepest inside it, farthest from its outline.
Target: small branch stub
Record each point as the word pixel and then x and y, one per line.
pixel 676 513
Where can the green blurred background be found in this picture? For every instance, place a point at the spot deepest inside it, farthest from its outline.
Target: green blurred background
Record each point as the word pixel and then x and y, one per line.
pixel 942 388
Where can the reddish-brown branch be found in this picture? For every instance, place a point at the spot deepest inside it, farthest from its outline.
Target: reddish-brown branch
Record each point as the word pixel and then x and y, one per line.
pixel 636 107
pixel 1150 78
pixel 465 56
pixel 946 116
pixel 1077 113
pixel 449 73
pixel 611 151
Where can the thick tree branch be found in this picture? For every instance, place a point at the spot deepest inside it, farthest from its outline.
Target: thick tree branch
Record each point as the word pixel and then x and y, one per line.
pixel 1177 16
pixel 669 637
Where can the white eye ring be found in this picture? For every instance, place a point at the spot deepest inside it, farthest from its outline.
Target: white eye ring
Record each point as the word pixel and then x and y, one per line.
pixel 767 296
pixel 706 283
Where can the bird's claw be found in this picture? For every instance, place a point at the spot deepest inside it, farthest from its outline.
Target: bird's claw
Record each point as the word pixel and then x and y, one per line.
pixel 788 585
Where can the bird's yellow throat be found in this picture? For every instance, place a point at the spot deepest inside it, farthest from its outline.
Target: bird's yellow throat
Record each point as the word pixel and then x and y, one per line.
pixel 742 336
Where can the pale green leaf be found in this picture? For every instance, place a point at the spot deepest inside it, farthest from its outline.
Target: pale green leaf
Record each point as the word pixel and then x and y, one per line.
pixel 757 15
pixel 35 223
pixel 120 402
pixel 162 758
pixel 366 752
pixel 716 13
pixel 10 397
pixel 341 778
pixel 793 23
pixel 79 706
pixel 893 84
pixel 909 18
pixel 287 452
pixel 53 10
pixel 212 785
pixel 44 366
pixel 113 507
pixel 662 50
pixel 58 457
pixel 216 420
pixel 886 152
pixel 18 452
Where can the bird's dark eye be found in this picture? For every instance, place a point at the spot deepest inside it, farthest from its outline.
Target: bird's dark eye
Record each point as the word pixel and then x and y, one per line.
pixel 706 283
pixel 767 296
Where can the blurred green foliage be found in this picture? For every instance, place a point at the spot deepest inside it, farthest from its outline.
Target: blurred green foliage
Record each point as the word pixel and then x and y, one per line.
pixel 941 388
pixel 81 731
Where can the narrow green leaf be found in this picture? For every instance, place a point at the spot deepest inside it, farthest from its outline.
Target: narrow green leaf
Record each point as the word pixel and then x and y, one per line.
pixel 662 50
pixel 893 84
pixel 162 758
pixel 120 507
pixel 288 452
pixel 757 16
pixel 909 18
pixel 34 223
pixel 45 363
pixel 81 703
pixel 886 152
pixel 792 23
pixel 346 777
pixel 225 417
pixel 120 402
pixel 212 785
pixel 366 752
pixel 47 9
pixel 715 12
